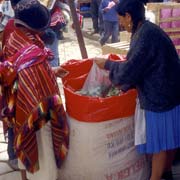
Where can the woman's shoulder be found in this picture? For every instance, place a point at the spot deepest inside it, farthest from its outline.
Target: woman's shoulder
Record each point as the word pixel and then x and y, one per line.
pixel 145 32
pixel 149 27
pixel 152 33
pixel 152 28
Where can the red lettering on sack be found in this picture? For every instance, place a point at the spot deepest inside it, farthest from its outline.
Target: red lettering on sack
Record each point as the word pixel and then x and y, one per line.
pixel 124 173
pixel 139 165
pixel 128 171
pixel 121 131
pixel 109 177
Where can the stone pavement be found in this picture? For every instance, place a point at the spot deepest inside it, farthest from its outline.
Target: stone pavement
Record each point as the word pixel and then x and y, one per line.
pixel 68 49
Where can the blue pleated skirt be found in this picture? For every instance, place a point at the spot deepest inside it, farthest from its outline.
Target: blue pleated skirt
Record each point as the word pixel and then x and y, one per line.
pixel 162 131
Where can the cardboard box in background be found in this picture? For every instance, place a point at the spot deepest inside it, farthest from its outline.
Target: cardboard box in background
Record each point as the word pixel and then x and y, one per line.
pixel 125 36
pixel 116 48
pixel 121 47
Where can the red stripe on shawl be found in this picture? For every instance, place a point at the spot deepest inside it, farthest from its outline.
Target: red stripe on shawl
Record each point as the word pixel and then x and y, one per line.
pixel 19 39
pixel 36 79
pixel 13 41
pixel 9 28
pixel 46 104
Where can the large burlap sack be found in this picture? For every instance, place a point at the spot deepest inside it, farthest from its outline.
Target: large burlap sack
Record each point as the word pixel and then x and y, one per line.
pixel 104 151
pixel 101 133
pixel 93 109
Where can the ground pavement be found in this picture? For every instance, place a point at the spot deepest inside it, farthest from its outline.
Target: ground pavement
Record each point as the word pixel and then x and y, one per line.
pixel 68 49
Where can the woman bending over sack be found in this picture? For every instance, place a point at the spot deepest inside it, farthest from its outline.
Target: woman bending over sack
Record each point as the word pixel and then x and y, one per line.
pixel 33 103
pixel 153 68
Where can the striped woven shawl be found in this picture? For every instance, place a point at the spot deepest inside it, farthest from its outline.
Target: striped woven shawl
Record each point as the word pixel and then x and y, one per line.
pixel 36 100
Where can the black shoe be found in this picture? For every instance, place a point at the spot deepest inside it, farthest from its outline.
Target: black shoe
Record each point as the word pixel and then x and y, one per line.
pixel 167 175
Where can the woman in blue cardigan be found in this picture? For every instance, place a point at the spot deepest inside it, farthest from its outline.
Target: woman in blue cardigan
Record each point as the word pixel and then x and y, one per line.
pixel 153 68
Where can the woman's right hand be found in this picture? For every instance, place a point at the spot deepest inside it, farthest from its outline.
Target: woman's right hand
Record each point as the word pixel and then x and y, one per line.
pixel 100 61
pixel 60 72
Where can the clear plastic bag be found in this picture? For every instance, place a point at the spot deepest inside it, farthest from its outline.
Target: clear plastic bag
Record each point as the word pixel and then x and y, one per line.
pixel 97 82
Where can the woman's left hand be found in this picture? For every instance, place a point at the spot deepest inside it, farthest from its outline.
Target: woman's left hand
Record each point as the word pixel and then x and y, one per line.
pixel 100 61
pixel 60 72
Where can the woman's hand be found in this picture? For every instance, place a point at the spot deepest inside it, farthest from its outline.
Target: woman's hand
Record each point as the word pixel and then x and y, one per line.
pixel 100 61
pixel 60 72
pixel 106 9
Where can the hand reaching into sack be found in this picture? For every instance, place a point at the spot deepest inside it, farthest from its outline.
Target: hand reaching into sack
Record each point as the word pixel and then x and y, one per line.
pixel 60 72
pixel 100 61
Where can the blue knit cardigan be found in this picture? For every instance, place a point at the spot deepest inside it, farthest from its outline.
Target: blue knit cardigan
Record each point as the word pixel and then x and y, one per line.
pixel 152 66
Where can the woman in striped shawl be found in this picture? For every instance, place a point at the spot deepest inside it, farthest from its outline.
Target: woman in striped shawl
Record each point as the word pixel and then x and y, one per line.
pixel 32 101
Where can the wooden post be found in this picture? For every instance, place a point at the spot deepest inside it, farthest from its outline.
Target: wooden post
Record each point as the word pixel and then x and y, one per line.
pixel 78 29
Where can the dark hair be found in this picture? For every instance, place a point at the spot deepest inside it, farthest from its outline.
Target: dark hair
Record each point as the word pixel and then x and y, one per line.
pixel 14 2
pixel 33 14
pixel 135 8
pixel 48 36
